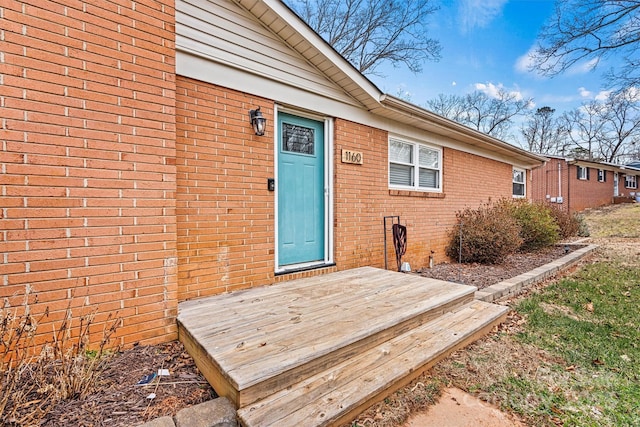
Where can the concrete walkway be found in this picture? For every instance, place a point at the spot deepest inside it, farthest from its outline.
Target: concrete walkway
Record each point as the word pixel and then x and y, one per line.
pixel 218 412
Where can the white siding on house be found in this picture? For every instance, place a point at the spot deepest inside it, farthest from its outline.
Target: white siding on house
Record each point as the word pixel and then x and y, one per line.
pixel 261 48
pixel 223 32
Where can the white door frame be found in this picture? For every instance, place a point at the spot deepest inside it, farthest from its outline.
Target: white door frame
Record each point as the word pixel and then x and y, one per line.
pixel 328 189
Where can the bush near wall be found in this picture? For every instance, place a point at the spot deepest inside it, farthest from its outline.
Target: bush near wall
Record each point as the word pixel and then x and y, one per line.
pixel 494 230
pixel 537 225
pixel 568 223
pixel 485 235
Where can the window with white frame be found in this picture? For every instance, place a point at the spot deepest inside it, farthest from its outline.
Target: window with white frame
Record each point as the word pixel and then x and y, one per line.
pixel 519 189
pixel 415 166
pixel 583 173
pixel 602 175
pixel 630 181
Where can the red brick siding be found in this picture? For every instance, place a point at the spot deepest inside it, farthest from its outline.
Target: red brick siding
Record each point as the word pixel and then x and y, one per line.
pixel 589 193
pixel 363 198
pixel 226 215
pixel 225 212
pixel 87 161
pixel 577 194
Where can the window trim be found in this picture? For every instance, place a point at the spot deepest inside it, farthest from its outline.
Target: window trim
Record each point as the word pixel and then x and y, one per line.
pixel 627 181
pixel 523 183
pixel 583 173
pixel 602 175
pixel 415 165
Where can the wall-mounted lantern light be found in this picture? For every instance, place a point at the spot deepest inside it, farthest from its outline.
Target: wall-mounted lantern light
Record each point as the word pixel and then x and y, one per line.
pixel 258 122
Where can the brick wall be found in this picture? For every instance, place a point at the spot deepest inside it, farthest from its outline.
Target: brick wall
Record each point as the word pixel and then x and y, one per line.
pixel 363 198
pixel 226 215
pixel 589 193
pixel 577 194
pixel 87 161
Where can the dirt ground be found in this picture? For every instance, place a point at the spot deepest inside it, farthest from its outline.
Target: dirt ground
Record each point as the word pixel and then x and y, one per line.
pixel 483 275
pixel 469 412
pixel 118 401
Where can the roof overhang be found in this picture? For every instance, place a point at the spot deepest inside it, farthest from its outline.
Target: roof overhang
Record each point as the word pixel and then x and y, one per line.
pixel 421 118
pixel 599 165
pixel 283 22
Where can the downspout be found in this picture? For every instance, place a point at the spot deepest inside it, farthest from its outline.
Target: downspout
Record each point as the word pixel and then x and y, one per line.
pixel 569 188
pixel 559 179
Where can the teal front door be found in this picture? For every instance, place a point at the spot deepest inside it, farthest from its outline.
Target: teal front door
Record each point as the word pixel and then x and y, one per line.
pixel 301 210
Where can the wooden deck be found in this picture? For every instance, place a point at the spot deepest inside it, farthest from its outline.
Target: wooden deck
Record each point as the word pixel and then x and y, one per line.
pixel 281 349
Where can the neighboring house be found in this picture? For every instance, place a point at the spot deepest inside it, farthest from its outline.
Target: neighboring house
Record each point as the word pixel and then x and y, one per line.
pixel 131 177
pixel 576 185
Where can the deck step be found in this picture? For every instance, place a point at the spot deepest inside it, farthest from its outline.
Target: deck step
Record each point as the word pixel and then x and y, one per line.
pixel 343 390
pixel 271 338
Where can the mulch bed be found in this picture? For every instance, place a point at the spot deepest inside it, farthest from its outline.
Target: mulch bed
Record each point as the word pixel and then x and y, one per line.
pixel 118 401
pixel 483 275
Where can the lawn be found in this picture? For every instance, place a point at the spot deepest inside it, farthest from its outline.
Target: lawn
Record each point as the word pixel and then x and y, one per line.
pixel 570 354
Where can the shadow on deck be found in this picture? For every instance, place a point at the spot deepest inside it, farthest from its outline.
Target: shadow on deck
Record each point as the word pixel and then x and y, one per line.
pixel 317 351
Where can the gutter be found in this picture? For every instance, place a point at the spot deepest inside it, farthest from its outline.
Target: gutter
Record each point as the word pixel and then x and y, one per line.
pixel 449 126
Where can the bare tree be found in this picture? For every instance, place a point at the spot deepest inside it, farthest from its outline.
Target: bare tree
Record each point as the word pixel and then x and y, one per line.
pixel 623 125
pixel 543 133
pixel 586 128
pixel 370 32
pixel 589 31
pixel 492 115
pixel 452 107
pixel 605 130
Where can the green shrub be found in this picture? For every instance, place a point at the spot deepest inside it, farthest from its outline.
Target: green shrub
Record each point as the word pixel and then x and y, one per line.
pixel 583 227
pixel 537 225
pixel 568 223
pixel 489 234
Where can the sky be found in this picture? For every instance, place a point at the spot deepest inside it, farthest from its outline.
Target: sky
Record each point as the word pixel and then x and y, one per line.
pixel 484 47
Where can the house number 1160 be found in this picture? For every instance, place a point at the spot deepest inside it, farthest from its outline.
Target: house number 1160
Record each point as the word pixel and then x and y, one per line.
pixel 354 157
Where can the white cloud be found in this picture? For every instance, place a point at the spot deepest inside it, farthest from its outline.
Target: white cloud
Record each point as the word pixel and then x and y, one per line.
pixel 633 94
pixel 583 67
pixel 453 83
pixel 602 95
pixel 494 90
pixel 478 13
pixel 584 92
pixel 523 63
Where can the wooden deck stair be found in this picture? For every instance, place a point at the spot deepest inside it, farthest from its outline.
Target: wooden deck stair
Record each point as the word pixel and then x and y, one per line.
pixel 317 351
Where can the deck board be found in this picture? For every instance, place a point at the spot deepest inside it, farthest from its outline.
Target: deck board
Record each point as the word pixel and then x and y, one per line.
pixel 262 333
pixel 328 397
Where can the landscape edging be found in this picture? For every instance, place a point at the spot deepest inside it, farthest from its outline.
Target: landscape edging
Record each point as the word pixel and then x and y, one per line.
pixel 515 285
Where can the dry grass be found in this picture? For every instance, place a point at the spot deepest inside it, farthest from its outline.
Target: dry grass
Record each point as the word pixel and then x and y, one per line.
pixel 537 385
pixel 615 221
pixel 34 377
pixel 396 409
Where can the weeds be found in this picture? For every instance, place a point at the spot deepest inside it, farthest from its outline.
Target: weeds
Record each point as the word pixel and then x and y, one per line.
pixel 33 377
pixel 18 384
